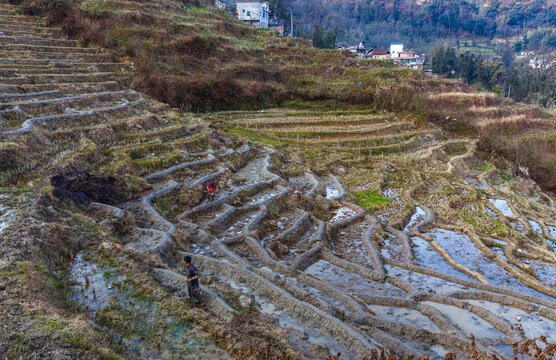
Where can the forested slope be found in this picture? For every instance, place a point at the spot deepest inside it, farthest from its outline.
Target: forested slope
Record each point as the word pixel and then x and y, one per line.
pixel 420 22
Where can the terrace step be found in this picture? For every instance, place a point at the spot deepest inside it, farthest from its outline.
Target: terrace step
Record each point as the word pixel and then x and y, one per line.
pixel 37 95
pixel 8 11
pixel 29 123
pixel 16 20
pixel 31 29
pixel 52 56
pixel 56 78
pixel 46 48
pixel 73 88
pixel 34 35
pixel 37 41
pixel 29 66
pixel 36 107
pixel 18 71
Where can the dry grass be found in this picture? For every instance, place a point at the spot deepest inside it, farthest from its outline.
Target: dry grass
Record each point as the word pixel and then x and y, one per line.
pixel 205 60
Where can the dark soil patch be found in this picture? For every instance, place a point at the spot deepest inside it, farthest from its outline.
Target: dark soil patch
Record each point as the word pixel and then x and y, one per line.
pixel 82 187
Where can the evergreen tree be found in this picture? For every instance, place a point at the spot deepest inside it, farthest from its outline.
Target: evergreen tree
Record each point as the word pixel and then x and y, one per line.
pixel 444 59
pixel 468 67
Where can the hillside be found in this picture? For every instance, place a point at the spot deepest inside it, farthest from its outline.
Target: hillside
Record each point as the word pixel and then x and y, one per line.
pixel 420 23
pixel 361 207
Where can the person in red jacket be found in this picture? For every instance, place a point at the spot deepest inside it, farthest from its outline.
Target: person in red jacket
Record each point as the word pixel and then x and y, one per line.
pixel 212 189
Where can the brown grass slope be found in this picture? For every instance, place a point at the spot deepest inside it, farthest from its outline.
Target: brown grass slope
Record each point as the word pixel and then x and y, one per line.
pixel 195 57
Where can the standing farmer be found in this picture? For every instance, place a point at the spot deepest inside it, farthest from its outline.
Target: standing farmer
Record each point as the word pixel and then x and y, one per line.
pixel 192 280
pixel 212 189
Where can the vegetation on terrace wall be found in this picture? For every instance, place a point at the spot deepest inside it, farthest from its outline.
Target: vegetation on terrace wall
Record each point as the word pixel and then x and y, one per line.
pixel 202 59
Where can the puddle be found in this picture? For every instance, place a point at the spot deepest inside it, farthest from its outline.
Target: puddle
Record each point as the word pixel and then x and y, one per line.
pixel 179 340
pixel 238 227
pixel 552 231
pixel 154 334
pixel 6 212
pixel 404 315
pixel 535 226
pixel 417 218
pixel 286 221
pixel 499 252
pixel 439 350
pixel 391 194
pixel 463 251
pixel 552 243
pixel 341 214
pixel 518 226
pixel 392 248
pixel 263 196
pixel 500 242
pixel 350 282
pixel 424 283
pixel 348 244
pixel 503 206
pixel 533 324
pixel 425 255
pixel 321 295
pixel 491 213
pixel 284 321
pixel 203 250
pixel 94 286
pixel 150 332
pixel 468 322
pixel 332 192
pixel 546 272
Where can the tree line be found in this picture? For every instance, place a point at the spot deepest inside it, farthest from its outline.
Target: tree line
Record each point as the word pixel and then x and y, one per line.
pixel 531 79
pixel 417 24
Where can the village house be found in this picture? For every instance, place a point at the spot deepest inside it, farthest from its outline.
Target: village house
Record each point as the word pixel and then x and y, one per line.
pixel 395 48
pixel 221 4
pixel 278 25
pixel 405 58
pixel 379 54
pixel 254 12
pixel 409 59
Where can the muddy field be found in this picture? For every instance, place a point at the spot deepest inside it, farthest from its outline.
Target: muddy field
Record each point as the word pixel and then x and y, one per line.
pixel 329 233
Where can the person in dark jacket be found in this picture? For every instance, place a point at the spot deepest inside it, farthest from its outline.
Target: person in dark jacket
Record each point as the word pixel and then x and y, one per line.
pixel 192 280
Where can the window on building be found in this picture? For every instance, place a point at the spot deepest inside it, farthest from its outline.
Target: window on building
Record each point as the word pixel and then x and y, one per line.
pixel 244 11
pixel 249 13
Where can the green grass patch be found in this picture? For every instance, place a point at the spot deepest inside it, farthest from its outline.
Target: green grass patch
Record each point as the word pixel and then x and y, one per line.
pixel 506 175
pixel 254 137
pixel 470 221
pixel 486 167
pixel 371 201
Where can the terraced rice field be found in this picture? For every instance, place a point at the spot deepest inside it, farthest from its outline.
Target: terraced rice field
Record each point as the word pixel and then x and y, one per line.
pixel 351 231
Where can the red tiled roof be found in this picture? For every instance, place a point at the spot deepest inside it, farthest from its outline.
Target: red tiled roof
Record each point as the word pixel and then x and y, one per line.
pixel 380 52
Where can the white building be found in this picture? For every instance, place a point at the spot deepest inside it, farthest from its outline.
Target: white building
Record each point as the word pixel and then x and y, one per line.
pixel 395 49
pixel 254 12
pixel 221 4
